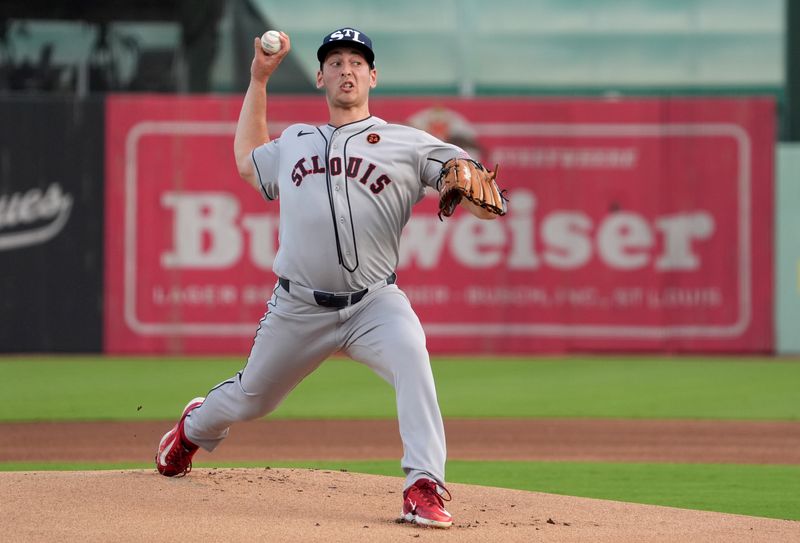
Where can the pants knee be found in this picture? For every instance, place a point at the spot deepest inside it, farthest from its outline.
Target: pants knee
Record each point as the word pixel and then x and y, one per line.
pixel 412 364
pixel 241 405
pixel 253 407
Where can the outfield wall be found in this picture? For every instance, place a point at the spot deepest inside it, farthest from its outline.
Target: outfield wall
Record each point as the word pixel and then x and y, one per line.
pixel 633 225
pixel 787 249
pixel 51 224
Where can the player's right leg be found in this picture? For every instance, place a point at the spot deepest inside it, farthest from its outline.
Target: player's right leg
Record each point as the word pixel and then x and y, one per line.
pixel 292 340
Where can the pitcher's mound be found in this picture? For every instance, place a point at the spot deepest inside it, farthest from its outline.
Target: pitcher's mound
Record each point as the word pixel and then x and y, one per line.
pixel 319 505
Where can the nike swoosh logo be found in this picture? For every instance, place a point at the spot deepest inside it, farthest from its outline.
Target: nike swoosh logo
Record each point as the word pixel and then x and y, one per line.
pixel 301 133
pixel 162 458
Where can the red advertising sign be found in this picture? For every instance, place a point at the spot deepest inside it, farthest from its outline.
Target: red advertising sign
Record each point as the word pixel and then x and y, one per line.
pixel 633 225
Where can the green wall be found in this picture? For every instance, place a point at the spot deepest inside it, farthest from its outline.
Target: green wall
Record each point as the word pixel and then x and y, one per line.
pixel 787 249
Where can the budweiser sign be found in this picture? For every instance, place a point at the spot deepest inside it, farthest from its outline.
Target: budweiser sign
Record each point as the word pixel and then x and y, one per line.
pixel 628 229
pixel 210 231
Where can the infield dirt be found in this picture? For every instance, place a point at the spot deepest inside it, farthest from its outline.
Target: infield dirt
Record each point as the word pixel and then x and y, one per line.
pixel 310 505
pixel 468 439
pixel 263 504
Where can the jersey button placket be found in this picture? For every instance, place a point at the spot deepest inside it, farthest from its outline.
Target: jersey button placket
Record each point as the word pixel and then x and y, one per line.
pixel 341 204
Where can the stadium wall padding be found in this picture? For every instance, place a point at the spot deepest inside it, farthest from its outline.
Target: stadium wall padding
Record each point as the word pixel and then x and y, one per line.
pixel 51 224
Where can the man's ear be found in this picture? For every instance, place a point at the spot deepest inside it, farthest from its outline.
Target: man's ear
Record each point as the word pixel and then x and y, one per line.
pixel 320 83
pixel 373 78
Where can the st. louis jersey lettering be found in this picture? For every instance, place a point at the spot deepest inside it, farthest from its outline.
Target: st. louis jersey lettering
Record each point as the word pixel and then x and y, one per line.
pixel 313 165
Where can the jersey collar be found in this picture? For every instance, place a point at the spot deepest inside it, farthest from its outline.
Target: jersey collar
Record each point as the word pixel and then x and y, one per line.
pixel 371 120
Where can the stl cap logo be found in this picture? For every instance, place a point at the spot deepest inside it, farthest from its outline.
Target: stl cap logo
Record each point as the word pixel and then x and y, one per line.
pixel 347 33
pixel 373 138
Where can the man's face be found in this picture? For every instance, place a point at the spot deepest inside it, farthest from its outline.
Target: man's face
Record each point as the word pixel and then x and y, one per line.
pixel 346 77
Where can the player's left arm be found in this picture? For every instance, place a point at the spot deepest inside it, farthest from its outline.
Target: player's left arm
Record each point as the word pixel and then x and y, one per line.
pixel 460 179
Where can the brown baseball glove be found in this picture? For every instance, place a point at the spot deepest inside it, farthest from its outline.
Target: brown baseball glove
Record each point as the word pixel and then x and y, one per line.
pixel 466 178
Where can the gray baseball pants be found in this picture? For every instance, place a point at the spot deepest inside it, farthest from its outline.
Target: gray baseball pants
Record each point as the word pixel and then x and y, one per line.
pixel 296 336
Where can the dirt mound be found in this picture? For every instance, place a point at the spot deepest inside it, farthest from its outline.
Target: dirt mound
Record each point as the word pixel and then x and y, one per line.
pixel 318 505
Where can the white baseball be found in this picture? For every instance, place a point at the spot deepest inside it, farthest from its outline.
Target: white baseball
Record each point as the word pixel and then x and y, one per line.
pixel 271 42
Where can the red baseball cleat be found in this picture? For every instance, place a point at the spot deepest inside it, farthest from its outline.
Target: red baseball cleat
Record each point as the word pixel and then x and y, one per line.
pixel 423 505
pixel 175 451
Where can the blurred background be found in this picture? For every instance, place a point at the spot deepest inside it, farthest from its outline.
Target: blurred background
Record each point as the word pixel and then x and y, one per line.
pixel 60 61
pixel 462 47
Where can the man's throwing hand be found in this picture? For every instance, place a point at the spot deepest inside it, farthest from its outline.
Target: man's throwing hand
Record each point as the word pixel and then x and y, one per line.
pixel 264 63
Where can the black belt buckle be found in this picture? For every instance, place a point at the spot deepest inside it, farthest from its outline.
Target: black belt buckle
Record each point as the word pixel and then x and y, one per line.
pixel 328 299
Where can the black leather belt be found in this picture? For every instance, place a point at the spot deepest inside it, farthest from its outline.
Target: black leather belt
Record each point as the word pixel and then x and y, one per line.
pixel 329 299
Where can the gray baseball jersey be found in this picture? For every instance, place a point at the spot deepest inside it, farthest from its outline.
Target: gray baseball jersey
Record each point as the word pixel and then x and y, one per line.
pixel 345 195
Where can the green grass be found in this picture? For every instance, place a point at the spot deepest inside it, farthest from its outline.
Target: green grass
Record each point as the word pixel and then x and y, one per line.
pixel 108 388
pixel 765 491
pixel 122 388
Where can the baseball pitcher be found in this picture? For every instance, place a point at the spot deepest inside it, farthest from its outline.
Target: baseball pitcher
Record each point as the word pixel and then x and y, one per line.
pixel 345 191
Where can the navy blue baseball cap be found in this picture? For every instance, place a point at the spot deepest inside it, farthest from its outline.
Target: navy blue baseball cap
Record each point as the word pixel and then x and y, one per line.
pixel 347 37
